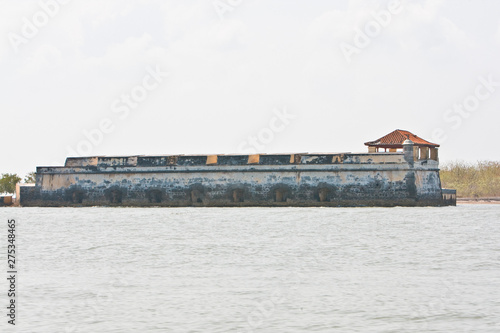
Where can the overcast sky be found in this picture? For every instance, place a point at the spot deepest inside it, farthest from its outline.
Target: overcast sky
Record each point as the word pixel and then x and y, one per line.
pixel 237 76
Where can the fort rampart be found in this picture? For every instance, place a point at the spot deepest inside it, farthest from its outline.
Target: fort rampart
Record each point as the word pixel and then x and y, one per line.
pixel 343 179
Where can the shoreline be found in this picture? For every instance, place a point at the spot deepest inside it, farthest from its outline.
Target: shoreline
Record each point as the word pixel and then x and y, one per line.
pixel 483 201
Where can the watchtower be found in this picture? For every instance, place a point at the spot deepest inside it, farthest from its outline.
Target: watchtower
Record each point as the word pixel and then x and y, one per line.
pixel 393 142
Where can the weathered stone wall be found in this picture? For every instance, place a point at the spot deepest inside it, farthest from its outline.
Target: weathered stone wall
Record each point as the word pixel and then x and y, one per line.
pixel 26 194
pixel 6 200
pixel 374 179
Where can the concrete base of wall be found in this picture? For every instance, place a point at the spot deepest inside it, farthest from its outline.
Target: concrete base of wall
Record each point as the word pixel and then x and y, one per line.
pixel 344 203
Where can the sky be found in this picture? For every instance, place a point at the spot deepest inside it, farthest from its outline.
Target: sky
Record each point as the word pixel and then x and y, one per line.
pixel 144 77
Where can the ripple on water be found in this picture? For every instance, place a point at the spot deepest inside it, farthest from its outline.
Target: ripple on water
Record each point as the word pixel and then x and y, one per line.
pixel 259 269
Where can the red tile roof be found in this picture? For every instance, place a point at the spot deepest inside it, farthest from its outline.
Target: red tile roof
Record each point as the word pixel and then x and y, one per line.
pixel 396 138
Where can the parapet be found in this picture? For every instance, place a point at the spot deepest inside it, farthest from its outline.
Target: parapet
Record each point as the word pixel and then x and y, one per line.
pixel 234 160
pixel 101 161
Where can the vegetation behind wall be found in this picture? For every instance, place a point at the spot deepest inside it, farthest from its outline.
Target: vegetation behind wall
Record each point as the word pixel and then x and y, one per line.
pixel 472 180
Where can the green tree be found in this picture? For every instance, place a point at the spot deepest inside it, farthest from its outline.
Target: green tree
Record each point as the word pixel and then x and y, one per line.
pixel 8 182
pixel 30 177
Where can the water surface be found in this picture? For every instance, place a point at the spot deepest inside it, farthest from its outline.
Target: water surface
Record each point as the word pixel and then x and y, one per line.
pixel 257 269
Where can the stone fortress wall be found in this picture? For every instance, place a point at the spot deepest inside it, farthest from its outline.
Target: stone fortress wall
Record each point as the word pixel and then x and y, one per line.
pixel 329 179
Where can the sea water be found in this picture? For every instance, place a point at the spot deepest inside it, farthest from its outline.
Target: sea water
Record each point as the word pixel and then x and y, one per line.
pixel 254 269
